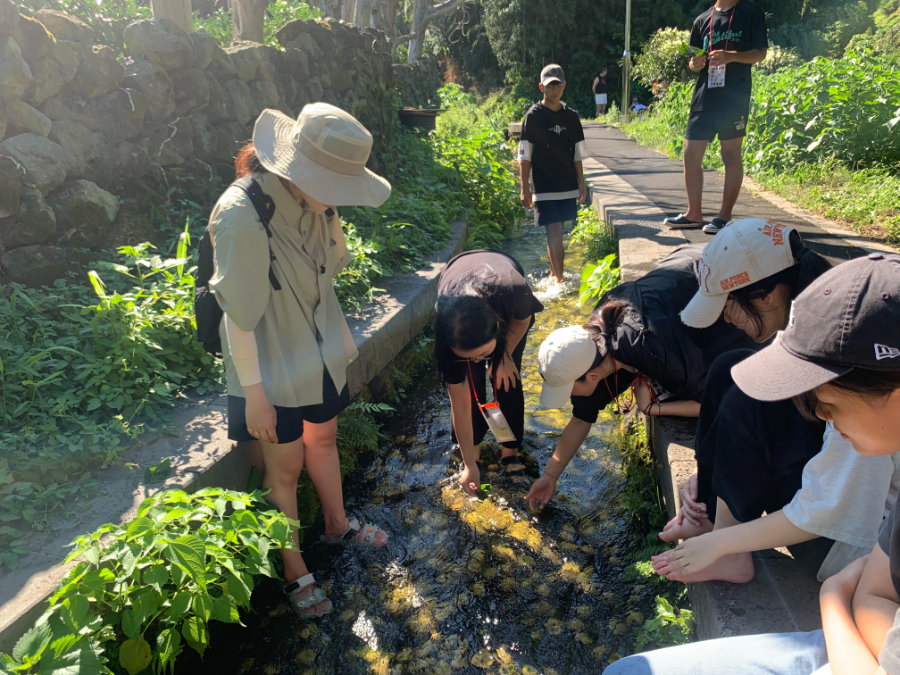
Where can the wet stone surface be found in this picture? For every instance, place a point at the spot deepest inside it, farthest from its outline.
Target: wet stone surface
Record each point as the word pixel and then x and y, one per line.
pixel 463 586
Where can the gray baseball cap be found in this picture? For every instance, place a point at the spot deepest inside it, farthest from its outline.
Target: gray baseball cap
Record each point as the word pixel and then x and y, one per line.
pixel 552 73
pixel 847 318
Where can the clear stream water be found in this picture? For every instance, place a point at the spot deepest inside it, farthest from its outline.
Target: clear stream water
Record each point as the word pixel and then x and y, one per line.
pixel 464 586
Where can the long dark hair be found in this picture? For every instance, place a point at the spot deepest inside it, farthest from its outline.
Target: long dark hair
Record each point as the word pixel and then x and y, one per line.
pixel 603 321
pixel 466 322
pixel 810 266
pixel 867 384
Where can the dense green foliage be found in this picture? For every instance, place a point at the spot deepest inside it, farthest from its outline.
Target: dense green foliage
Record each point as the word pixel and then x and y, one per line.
pixel 146 589
pixel 673 621
pixel 84 370
pixel 468 139
pixel 220 26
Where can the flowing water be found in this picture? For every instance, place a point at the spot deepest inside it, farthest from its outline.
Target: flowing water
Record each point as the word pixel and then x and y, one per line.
pixel 465 586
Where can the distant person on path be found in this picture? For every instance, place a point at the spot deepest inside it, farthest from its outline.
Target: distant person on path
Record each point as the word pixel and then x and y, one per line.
pixel 851 379
pixel 600 90
pixel 733 33
pixel 285 342
pixel 550 154
pixel 484 311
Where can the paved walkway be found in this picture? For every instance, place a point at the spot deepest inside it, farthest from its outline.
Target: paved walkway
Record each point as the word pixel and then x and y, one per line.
pixel 660 180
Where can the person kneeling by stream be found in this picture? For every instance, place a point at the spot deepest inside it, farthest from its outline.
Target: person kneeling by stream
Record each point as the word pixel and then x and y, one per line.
pixel 484 311
pixel 635 335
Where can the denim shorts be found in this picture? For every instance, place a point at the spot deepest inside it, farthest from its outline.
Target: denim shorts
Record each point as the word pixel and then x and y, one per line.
pixel 555 211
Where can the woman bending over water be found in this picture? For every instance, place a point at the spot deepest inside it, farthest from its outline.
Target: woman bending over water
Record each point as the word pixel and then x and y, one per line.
pixel 638 328
pixel 485 309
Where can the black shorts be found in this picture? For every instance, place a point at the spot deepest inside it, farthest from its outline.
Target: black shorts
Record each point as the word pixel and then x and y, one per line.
pixel 705 125
pixel 289 421
pixel 555 211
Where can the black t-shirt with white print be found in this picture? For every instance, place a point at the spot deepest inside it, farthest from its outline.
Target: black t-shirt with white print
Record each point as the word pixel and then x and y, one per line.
pixel 550 140
pixel 739 29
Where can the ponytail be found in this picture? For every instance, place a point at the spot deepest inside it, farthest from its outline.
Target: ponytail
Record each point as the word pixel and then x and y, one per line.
pixel 603 321
pixel 809 267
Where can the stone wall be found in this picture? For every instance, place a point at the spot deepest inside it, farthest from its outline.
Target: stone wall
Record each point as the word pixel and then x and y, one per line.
pixel 83 133
pixel 418 83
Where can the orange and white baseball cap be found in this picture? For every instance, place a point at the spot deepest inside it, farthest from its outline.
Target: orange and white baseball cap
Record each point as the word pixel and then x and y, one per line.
pixel 741 254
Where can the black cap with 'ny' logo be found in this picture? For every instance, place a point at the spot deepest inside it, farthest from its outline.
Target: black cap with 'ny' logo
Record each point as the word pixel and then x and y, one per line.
pixel 847 318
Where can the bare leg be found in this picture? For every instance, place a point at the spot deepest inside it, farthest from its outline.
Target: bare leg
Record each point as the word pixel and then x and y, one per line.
pixel 693 178
pixel 603 109
pixel 555 250
pixel 736 568
pixel 283 465
pixel 599 111
pixel 323 466
pixel 734 175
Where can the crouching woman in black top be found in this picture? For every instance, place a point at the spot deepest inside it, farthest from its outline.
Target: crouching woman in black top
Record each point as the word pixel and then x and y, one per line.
pixel 484 311
pixel 637 328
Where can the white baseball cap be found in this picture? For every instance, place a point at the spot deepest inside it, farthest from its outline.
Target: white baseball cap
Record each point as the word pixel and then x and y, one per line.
pixel 741 254
pixel 566 355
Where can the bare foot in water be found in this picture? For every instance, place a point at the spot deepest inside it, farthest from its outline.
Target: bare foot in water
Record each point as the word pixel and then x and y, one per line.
pixel 673 531
pixel 736 568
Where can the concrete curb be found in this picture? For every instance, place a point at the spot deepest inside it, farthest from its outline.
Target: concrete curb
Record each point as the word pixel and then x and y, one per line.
pixel 784 594
pixel 202 456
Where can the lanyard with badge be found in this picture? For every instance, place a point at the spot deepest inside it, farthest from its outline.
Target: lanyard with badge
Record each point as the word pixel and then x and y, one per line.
pixel 716 78
pixel 492 414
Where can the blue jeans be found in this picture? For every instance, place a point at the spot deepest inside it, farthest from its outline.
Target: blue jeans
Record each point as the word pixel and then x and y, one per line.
pixel 772 654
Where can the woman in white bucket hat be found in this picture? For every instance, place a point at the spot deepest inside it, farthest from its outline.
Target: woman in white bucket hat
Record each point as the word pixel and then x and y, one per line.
pixel 286 344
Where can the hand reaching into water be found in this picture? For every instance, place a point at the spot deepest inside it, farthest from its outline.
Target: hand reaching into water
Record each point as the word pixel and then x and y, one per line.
pixel 470 480
pixel 541 492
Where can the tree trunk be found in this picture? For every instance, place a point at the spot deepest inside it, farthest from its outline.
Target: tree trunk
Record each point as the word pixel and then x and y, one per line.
pixel 249 18
pixel 423 15
pixel 178 11
pixel 348 8
pixel 363 16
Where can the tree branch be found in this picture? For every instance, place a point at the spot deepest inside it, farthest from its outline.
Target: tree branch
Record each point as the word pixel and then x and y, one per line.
pixel 404 38
pixel 444 8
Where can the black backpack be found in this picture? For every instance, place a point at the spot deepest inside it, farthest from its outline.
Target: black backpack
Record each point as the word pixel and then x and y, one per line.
pixel 206 307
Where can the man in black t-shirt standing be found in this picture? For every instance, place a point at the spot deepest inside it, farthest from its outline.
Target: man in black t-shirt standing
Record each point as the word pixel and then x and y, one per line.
pixel 733 36
pixel 550 153
pixel 600 90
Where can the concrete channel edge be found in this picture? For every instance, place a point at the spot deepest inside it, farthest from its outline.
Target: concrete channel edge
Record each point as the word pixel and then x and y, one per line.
pixel 200 453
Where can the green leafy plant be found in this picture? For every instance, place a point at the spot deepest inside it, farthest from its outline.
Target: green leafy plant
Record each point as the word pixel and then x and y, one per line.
pixel 220 25
pixel 357 428
pixel 671 626
pixel 598 238
pixel 85 369
pixel 598 279
pixel 149 588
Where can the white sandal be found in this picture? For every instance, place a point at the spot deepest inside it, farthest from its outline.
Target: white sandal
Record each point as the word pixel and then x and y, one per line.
pixel 351 536
pixel 303 604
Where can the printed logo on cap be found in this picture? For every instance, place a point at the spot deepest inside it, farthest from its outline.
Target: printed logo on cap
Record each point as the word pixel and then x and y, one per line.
pixel 704 271
pixel 885 352
pixel 735 281
pixel 775 230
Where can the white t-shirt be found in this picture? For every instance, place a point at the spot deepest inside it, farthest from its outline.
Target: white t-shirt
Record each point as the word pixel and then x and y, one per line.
pixel 844 496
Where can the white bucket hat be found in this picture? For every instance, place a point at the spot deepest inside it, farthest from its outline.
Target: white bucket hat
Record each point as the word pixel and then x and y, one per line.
pixel 741 254
pixel 566 354
pixel 323 152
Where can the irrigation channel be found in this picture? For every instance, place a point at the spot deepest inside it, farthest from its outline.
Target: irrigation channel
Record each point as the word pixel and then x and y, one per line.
pixel 465 586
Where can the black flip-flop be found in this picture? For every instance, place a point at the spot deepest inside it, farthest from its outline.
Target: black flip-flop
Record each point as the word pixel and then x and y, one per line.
pixel 679 222
pixel 507 463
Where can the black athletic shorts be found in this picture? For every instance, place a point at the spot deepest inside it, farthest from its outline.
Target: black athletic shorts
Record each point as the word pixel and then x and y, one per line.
pixel 289 421
pixel 705 125
pixel 555 211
